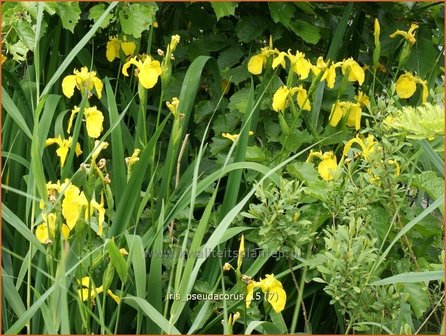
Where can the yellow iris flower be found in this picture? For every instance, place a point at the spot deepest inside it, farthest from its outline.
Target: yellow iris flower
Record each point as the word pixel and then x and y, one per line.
pixel 73 203
pixel 406 86
pixel 329 72
pixel 355 71
pixel 328 165
pixel 148 70
pixel 64 146
pixel 93 118
pixel 362 99
pixel 353 112
pixel 87 285
pixel 300 65
pixel 275 294
pixel 99 207
pixel 257 62
pixel 82 80
pixel 45 232
pixel 409 35
pixel 368 146
pixel 280 98
pixel 114 45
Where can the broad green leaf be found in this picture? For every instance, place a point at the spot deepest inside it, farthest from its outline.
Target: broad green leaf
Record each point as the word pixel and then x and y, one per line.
pixel 69 13
pixel 308 32
pixel 239 100
pixel 26 34
pixel 135 18
pixel 222 9
pixel 282 12
pixel 96 12
pixel 249 28
pixel 418 298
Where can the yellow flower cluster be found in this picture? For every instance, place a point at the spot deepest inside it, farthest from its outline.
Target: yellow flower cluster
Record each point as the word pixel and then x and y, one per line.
pixel 114 46
pixel 93 120
pixel 148 70
pixel 328 165
pixel 73 204
pixel 406 86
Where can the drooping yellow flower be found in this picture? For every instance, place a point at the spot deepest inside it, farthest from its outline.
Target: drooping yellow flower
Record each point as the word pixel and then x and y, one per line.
pixel 275 294
pixel 94 120
pixel 73 203
pixel 329 72
pixel 112 49
pixel 88 287
pixel 328 165
pixel 46 231
pixel 280 99
pixel 300 65
pixel 148 70
pixel 350 110
pixel 406 86
pixel 355 72
pixel 82 80
pixel 257 62
pixel 368 146
pixel 64 146
pixel 409 35
pixel 302 98
pixel 114 45
pixel 279 59
pixel 241 253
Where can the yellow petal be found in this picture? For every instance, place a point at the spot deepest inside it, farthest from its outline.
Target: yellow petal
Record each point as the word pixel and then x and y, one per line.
pixel 250 293
pixel 77 149
pixel 126 65
pixel 376 31
pixel 68 85
pixel 94 120
pixel 280 99
pixel 112 50
pixel 280 59
pixel 62 152
pixel 255 64
pixel 328 166
pixel 406 85
pixel 114 297
pixel 355 72
pixel 128 48
pixel 65 231
pixel 98 85
pixel 302 99
pixel 70 121
pixel 148 75
pixel 276 296
pixel 42 233
pixel 336 114
pixel 354 116
pixel 174 40
pixel 123 252
pixel 330 76
pixel 302 66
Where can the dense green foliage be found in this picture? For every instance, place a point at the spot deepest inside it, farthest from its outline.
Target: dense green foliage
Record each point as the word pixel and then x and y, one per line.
pixel 222 167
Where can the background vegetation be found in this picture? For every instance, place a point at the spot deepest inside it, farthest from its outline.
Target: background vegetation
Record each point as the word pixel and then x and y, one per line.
pixel 200 174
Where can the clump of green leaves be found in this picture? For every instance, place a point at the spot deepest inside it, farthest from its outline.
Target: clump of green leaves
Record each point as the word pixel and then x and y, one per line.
pixel 278 216
pixel 19 24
